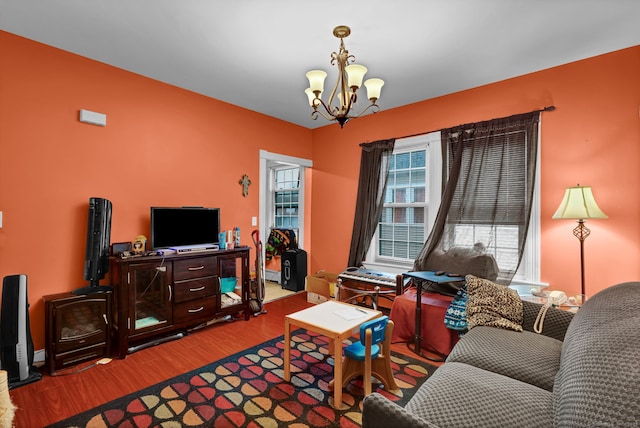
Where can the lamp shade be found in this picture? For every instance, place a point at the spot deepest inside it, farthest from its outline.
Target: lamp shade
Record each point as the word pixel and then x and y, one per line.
pixel 579 203
pixel 311 96
pixel 374 87
pixel 316 80
pixel 355 74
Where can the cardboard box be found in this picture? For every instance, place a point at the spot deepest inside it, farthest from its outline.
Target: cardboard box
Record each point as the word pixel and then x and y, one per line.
pixel 320 286
pixel 316 298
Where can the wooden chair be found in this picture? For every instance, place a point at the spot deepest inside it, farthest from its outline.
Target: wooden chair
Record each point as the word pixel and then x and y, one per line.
pixel 371 355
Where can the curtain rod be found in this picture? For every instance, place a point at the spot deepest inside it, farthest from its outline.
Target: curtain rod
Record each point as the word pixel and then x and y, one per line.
pixel 548 108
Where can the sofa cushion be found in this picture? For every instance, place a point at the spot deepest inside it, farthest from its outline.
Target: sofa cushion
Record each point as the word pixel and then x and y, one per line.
pixel 526 356
pixel 597 383
pixel 492 305
pixel 380 412
pixel 460 395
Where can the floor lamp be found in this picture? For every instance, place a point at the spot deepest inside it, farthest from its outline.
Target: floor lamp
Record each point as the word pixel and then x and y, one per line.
pixel 579 204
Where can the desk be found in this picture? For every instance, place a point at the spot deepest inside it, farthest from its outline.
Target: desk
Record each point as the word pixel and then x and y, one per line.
pixel 323 319
pixel 430 278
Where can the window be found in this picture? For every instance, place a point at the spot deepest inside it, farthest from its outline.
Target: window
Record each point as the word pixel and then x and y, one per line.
pixel 489 206
pixel 490 213
pixel 270 165
pixel 402 224
pixel 411 201
pixel 286 192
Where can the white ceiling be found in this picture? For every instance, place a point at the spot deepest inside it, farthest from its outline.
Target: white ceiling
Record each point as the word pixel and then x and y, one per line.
pixel 255 53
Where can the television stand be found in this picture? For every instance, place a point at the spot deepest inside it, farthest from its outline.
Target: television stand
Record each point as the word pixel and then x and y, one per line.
pixel 165 295
pixel 155 342
pixel 92 289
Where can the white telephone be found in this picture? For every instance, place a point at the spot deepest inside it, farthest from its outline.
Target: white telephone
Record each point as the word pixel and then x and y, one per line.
pixel 556 298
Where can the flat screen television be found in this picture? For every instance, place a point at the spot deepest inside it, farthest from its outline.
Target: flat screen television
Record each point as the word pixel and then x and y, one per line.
pixel 182 226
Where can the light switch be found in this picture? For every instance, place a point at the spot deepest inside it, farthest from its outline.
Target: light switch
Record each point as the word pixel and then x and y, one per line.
pixel 254 221
pixel 0 219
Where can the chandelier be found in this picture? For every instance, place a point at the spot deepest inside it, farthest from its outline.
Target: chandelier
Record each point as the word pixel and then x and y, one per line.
pixel 350 78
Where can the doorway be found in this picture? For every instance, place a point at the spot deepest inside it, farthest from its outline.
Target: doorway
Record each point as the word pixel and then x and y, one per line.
pixel 283 191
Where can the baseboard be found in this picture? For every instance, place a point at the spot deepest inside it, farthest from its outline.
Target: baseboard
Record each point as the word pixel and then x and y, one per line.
pixel 38 356
pixel 272 275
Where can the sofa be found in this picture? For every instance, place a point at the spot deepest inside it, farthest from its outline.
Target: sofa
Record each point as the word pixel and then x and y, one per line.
pixel 581 370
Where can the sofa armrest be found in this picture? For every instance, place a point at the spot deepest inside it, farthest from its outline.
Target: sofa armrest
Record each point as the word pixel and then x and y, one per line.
pixel 378 412
pixel 555 322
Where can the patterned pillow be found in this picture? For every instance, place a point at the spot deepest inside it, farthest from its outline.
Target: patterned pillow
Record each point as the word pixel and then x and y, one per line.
pixel 492 305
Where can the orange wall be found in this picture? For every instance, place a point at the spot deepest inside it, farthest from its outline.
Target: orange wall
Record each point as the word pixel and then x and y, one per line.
pixel 592 138
pixel 162 146
pixel 166 146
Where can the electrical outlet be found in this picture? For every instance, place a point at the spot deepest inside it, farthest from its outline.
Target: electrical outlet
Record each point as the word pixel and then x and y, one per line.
pixel 254 221
pixel 0 219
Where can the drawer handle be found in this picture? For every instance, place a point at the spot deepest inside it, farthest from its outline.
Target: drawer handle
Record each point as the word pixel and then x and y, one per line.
pixel 196 289
pixel 193 311
pixel 196 268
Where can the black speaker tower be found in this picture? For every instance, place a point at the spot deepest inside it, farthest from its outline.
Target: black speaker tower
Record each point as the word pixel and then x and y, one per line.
pixel 293 269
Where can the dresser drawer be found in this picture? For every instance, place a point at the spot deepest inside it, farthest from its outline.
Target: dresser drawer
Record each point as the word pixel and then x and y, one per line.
pixel 194 288
pixel 195 310
pixel 194 268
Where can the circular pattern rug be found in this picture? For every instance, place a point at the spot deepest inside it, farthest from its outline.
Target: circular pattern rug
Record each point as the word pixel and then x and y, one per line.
pixel 248 390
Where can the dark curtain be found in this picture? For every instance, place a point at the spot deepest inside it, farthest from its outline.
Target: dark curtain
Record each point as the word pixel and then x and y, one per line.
pixel 374 170
pixel 489 171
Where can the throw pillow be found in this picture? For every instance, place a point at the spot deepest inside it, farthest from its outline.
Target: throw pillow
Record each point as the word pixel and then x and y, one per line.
pixel 492 305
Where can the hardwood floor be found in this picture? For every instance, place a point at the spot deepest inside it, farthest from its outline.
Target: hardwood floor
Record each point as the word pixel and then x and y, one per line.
pixel 274 291
pixel 58 397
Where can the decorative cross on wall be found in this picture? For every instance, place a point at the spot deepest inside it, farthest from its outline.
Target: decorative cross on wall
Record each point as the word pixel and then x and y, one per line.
pixel 245 182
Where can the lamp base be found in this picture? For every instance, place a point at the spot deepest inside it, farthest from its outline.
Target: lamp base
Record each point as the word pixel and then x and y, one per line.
pixel 581 231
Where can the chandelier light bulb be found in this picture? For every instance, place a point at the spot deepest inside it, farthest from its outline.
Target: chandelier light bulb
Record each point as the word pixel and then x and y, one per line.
pixel 311 96
pixel 374 87
pixel 356 73
pixel 316 80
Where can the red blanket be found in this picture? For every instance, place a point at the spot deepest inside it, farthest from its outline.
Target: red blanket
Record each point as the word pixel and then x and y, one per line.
pixel 434 333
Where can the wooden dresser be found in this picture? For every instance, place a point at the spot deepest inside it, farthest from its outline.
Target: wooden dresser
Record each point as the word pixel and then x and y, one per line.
pixel 159 298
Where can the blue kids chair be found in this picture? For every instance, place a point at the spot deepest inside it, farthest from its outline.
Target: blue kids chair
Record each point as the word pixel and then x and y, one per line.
pixel 371 355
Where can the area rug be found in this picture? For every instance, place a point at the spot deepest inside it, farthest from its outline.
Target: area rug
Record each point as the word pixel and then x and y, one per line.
pixel 247 390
